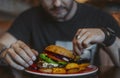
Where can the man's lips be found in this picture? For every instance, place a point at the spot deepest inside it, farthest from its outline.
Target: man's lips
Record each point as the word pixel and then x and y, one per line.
pixel 58 11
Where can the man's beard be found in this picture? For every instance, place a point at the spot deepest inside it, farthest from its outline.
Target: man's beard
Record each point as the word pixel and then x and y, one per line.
pixel 58 14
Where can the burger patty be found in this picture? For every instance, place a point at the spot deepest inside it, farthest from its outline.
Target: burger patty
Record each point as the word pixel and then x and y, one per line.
pixel 57 57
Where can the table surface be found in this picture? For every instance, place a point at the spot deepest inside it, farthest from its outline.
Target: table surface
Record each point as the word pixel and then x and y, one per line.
pixel 104 72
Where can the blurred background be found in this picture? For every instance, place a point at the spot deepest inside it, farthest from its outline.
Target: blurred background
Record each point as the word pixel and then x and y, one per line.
pixel 10 9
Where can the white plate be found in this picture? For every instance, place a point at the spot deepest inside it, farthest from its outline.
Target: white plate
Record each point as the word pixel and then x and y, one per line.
pixel 93 69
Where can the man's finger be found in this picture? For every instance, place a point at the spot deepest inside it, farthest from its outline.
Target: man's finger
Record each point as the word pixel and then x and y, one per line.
pixel 35 52
pixel 76 50
pixel 87 42
pixel 25 56
pixel 12 63
pixel 81 33
pixel 22 53
pixel 81 40
pixel 27 50
pixel 17 58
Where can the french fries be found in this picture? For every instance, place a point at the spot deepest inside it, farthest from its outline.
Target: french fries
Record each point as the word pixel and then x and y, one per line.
pixel 70 68
pixel 45 70
pixel 59 71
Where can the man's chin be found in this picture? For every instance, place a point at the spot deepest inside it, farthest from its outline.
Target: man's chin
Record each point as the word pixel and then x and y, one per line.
pixel 58 15
pixel 59 18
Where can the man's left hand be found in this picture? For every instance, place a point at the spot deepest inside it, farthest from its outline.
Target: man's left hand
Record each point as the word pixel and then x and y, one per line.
pixel 85 37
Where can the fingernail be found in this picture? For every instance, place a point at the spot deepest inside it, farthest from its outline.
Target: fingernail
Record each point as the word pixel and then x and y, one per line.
pixel 21 68
pixel 33 58
pixel 26 65
pixel 30 62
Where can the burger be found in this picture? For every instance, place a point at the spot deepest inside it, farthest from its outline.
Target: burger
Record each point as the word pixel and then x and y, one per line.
pixel 57 60
pixel 54 56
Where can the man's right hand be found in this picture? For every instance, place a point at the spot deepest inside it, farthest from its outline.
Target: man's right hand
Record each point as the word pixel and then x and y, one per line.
pixel 19 55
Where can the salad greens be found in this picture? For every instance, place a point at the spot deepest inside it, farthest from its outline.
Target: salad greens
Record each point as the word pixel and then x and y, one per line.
pixel 49 60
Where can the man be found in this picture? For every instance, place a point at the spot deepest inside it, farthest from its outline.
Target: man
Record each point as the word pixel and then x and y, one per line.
pixel 58 22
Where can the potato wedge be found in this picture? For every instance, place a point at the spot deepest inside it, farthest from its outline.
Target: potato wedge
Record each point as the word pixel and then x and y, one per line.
pixel 45 70
pixel 71 66
pixel 59 71
pixel 71 71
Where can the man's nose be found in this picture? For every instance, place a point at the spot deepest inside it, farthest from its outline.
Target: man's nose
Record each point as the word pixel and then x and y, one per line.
pixel 57 3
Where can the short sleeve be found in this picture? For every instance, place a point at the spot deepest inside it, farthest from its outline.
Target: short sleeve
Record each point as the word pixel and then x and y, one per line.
pixel 21 28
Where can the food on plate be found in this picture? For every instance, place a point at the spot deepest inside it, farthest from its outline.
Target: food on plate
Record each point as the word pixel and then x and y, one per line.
pixel 72 66
pixel 71 71
pixel 59 71
pixel 54 56
pixel 58 60
pixel 47 70
pixel 83 66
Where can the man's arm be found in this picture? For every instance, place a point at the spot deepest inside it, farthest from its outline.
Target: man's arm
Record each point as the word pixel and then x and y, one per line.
pixel 85 37
pixel 114 52
pixel 17 54
pixel 7 39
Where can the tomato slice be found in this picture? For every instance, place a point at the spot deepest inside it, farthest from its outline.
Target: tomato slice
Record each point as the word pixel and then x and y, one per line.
pixel 55 58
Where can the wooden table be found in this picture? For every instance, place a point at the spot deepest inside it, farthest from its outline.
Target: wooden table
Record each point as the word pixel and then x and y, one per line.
pixel 104 72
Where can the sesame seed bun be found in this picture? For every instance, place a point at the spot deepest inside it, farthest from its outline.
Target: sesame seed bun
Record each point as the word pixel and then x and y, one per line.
pixel 60 50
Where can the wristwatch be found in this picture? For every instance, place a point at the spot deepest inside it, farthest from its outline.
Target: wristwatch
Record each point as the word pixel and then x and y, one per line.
pixel 109 36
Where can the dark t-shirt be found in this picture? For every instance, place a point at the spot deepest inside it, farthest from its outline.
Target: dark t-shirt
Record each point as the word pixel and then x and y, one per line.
pixel 38 30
